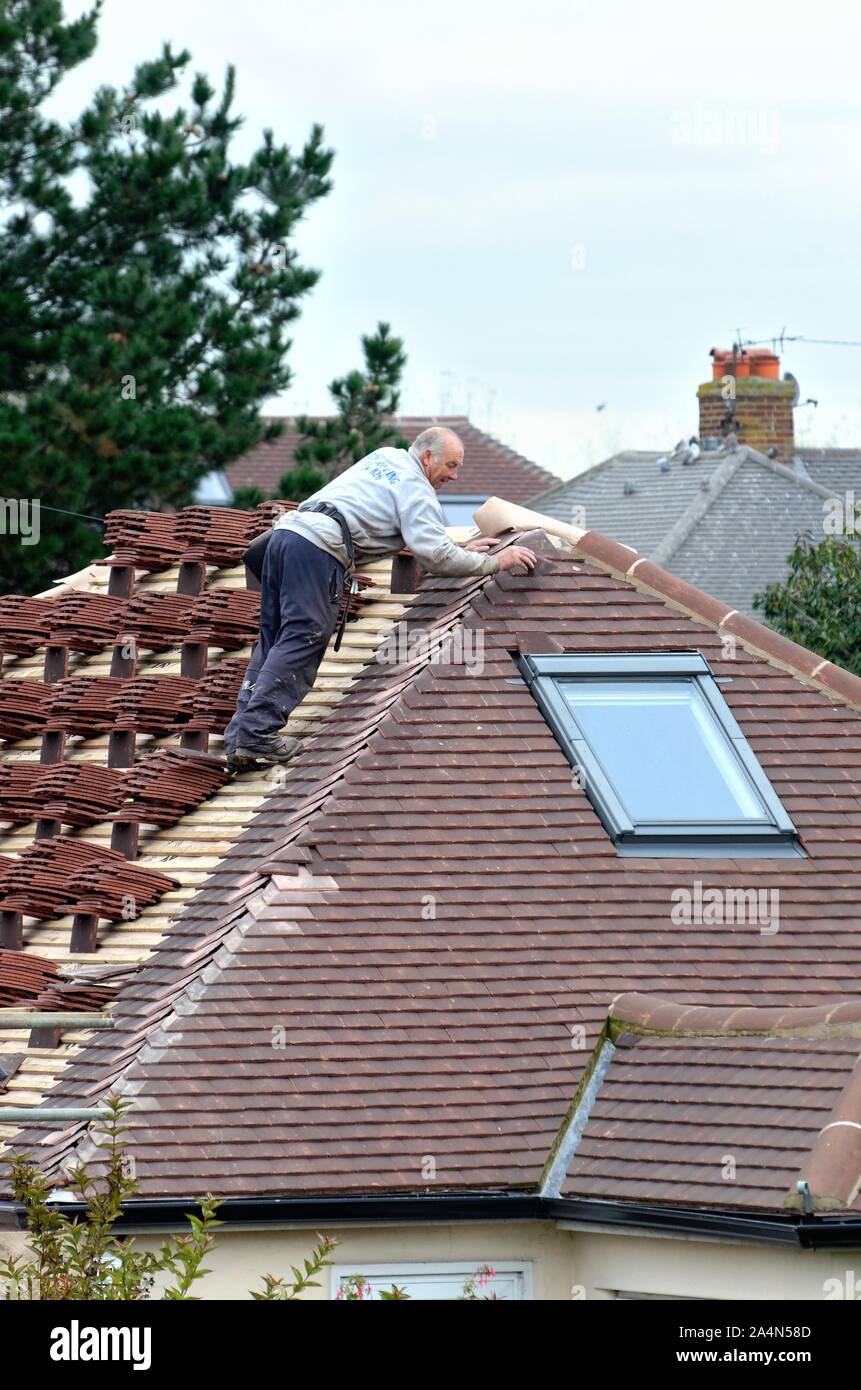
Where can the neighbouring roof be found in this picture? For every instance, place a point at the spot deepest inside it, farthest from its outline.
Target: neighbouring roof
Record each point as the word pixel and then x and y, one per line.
pixel 838 470
pixel 413 947
pixel 183 833
pixel 725 523
pixel 489 467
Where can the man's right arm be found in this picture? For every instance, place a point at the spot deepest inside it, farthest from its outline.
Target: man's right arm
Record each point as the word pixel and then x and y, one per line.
pixel 423 531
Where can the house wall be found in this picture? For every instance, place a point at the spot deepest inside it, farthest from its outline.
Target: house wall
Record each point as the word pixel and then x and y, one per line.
pixel 566 1262
pixel 11 1245
pixel 673 1267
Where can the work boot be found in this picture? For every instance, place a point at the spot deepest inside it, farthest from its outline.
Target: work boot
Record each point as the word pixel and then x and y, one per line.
pixel 235 764
pixel 278 748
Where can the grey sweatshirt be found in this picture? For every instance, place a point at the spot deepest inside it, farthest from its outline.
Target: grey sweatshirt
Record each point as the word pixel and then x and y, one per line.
pixel 387 502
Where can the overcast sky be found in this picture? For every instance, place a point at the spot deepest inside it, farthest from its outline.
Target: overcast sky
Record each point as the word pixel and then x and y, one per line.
pixel 558 204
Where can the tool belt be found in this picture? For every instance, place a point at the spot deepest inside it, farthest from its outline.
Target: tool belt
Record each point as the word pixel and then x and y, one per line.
pixel 328 510
pixel 253 556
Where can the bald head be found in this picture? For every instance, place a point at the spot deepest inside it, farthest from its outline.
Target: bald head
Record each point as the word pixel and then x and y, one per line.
pixel 440 452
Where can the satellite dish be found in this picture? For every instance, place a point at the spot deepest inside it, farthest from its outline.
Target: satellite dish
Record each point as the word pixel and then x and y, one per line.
pixel 796 389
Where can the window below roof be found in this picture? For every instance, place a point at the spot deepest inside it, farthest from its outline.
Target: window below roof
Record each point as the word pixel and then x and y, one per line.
pixel 509 1280
pixel 213 490
pixel 659 754
pixel 458 510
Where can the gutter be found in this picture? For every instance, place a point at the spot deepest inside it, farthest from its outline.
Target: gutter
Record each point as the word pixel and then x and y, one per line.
pixel 829 1232
pixel 805 1233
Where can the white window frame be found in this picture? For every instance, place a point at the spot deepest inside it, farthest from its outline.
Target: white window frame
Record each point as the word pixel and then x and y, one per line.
pixel 459 1270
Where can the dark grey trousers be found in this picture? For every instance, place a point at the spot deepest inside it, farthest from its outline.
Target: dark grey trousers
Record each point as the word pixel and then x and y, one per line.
pixel 301 590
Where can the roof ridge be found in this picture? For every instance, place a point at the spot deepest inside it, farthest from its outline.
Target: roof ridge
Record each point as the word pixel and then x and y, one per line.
pixel 550 493
pixel 696 509
pixel 429 420
pixel 649 1015
pixel 787 472
pixel 626 564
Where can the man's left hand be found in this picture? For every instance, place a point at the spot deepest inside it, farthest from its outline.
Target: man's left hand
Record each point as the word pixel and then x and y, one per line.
pixel 482 543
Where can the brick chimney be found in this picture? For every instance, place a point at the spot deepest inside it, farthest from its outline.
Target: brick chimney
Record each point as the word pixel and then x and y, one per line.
pixel 747 397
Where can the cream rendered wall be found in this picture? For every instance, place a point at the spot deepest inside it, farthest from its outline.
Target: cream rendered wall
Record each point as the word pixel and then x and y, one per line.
pixel 567 1262
pixel 240 1258
pixel 11 1244
pixel 676 1267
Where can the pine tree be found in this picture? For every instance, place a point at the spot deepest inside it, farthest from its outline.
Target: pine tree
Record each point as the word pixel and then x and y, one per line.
pixel 365 401
pixel 146 285
pixel 819 603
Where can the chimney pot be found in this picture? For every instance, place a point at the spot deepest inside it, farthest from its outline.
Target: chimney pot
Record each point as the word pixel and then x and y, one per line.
pixel 759 412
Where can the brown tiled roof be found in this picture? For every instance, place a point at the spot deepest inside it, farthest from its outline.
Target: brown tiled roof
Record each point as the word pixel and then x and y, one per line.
pixel 489 467
pixel 412 949
pixel 725 1106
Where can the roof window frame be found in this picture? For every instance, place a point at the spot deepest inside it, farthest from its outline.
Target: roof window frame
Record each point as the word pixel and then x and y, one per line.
pixel 774 835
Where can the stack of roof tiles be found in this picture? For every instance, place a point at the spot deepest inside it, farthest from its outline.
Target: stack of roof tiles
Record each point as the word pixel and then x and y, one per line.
pixel 77 793
pixel 74 793
pixel 226 618
pixel 85 622
pixel 211 702
pixel 23 978
pixel 17 781
pixel 23 623
pixel 62 996
pixel 217 535
pixel 162 787
pixel 38 882
pixel 157 621
pixel 144 539
pixel 62 874
pixel 152 704
pixel 24 708
pixel 85 704
pixel 115 888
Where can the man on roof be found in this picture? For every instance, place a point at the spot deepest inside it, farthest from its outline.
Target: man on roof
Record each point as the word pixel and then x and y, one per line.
pixel 384 502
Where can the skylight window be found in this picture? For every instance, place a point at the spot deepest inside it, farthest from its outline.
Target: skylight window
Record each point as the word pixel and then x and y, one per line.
pixel 659 754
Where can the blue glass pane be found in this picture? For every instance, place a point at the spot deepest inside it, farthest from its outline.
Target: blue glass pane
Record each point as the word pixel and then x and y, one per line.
pixel 664 751
pixel 459 512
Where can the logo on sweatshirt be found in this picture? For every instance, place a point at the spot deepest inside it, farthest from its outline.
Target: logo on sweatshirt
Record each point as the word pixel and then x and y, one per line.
pixel 382 473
